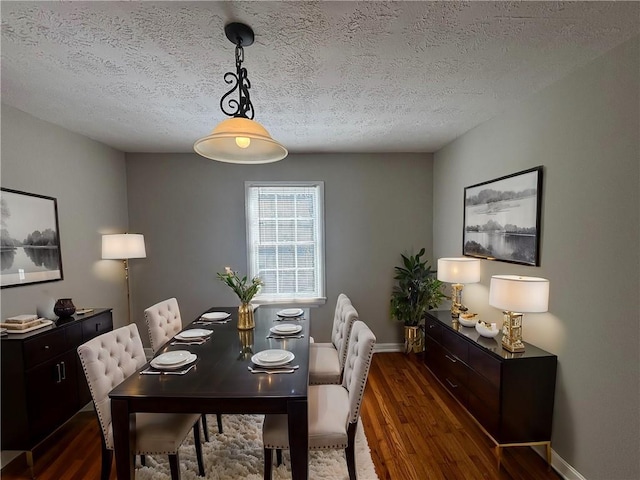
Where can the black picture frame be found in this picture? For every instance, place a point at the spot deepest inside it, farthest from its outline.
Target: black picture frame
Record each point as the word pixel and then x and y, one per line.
pixel 502 218
pixel 29 239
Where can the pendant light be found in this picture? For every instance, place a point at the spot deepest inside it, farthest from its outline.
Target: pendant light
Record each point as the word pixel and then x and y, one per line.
pixel 239 139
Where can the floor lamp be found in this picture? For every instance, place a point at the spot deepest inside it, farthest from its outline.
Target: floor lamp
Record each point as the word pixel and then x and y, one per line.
pixel 123 246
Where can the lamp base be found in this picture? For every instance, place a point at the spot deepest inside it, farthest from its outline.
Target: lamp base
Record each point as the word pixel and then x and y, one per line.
pixel 456 300
pixel 512 332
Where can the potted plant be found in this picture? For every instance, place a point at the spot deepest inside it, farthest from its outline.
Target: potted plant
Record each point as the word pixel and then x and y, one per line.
pixel 416 291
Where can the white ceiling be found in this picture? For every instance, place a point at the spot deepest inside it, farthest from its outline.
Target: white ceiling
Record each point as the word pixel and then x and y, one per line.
pixel 326 76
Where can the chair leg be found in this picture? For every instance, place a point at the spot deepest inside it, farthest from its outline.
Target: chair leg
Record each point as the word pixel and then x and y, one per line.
pixel 350 451
pixel 268 463
pixel 174 466
pixel 107 459
pixel 219 417
pixel 205 428
pixel 198 444
pixel 278 457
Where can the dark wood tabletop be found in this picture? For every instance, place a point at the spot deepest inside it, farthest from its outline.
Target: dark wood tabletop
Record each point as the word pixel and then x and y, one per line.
pixel 222 383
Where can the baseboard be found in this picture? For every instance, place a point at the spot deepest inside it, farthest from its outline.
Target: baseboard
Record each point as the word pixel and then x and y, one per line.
pixel 388 347
pixel 559 464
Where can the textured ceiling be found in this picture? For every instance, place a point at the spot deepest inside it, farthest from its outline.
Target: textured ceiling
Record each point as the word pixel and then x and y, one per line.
pixel 326 76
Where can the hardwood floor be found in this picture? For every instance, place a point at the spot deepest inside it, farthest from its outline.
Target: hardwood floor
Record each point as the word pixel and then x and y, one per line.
pixel 416 431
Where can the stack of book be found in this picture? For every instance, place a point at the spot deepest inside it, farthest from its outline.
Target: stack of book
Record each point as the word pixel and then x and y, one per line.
pixel 21 322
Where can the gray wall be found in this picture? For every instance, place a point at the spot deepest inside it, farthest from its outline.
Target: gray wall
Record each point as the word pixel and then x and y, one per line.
pixel 585 131
pixel 88 180
pixel 191 211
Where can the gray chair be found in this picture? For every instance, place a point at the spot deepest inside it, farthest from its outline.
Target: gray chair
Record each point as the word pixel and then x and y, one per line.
pixel 326 360
pixel 109 359
pixel 163 323
pixel 333 409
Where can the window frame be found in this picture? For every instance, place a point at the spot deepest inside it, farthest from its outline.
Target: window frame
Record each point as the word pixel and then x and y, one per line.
pixel 320 298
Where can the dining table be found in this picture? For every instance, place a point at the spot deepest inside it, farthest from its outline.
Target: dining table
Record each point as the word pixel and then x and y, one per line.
pixel 221 382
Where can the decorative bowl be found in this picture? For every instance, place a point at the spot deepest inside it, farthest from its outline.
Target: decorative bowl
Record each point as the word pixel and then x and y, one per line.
pixel 488 330
pixel 468 319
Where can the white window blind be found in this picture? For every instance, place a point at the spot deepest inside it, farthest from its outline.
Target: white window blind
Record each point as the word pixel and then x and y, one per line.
pixel 285 237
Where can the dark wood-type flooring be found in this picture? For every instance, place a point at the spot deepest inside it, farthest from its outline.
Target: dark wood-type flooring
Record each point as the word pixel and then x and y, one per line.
pixel 416 431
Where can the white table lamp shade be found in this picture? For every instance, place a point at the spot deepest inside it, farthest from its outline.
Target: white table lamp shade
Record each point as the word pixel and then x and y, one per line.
pixel 123 245
pixel 459 270
pixel 519 294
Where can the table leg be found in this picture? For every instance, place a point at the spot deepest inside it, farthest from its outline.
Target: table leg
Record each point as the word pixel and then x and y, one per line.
pixel 298 439
pixel 124 438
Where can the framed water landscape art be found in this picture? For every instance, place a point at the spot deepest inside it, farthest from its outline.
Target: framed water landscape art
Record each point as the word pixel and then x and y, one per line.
pixel 502 218
pixel 29 239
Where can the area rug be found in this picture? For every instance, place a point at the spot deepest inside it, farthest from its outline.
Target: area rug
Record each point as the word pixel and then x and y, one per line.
pixel 238 454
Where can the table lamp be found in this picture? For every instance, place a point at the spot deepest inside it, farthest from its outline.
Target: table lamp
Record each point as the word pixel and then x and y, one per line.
pixel 123 246
pixel 458 271
pixel 516 295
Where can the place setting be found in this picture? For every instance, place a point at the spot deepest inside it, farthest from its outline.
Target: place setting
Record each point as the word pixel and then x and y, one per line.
pixel 177 362
pixel 213 318
pixel 273 361
pixel 192 336
pixel 290 314
pixel 285 331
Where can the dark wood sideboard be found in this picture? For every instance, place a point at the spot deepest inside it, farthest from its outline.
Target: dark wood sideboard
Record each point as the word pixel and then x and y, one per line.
pixel 510 395
pixel 43 384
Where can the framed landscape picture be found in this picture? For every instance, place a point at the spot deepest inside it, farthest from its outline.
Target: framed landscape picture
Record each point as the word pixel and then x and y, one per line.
pixel 29 239
pixel 502 218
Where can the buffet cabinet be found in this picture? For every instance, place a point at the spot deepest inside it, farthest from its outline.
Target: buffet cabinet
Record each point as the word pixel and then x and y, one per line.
pixel 510 395
pixel 43 384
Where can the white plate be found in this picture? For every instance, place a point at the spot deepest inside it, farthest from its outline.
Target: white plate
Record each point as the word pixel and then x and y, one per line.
pixel 290 312
pixel 215 316
pixel 172 358
pixel 272 358
pixel 193 333
pixel 192 357
pixel 286 329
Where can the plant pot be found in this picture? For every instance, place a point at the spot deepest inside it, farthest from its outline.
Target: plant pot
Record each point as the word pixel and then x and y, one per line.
pixel 413 341
pixel 245 317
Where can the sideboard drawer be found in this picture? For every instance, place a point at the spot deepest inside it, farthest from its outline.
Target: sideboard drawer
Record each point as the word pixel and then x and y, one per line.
pixel 95 326
pixel 455 344
pixel 432 328
pixel 486 365
pixel 44 347
pixel 486 392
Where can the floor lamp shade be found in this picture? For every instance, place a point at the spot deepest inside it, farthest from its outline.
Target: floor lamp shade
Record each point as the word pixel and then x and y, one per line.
pixel 122 246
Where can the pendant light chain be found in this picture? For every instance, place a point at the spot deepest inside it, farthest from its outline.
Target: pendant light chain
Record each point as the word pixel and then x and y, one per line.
pixel 242 107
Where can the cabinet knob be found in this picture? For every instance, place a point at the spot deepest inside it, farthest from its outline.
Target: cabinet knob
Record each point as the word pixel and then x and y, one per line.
pixel 46 347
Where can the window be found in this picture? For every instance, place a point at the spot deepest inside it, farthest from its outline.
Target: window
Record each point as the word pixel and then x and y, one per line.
pixel 285 240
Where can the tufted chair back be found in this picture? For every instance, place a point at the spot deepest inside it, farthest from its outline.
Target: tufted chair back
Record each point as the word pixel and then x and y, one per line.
pixel 107 360
pixel 356 369
pixel 163 321
pixel 341 337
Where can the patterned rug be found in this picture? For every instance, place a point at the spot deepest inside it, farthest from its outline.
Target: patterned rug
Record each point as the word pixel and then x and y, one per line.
pixel 237 454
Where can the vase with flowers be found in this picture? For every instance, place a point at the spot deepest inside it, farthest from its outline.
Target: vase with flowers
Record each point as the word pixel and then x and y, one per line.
pixel 245 292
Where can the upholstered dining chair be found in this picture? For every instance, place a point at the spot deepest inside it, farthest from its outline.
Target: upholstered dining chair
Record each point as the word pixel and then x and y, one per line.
pixel 163 322
pixel 333 409
pixel 109 359
pixel 326 360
